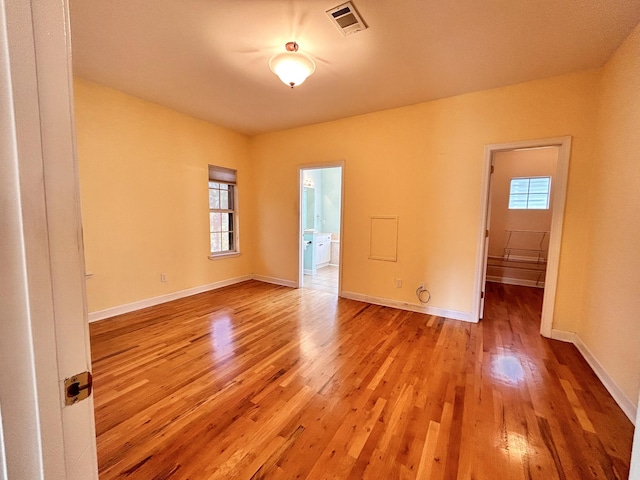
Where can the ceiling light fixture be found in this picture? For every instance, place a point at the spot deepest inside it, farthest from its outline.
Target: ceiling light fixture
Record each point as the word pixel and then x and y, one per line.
pixel 292 67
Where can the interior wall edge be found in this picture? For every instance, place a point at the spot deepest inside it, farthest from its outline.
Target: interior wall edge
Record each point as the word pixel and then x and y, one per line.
pixel 608 324
pixel 623 401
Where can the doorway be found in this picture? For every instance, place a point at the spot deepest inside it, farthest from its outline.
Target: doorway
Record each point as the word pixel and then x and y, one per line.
pixel 320 231
pixel 519 245
pixel 520 200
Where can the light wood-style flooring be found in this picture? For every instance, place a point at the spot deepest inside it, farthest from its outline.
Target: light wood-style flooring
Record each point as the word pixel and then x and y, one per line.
pixel 325 280
pixel 261 381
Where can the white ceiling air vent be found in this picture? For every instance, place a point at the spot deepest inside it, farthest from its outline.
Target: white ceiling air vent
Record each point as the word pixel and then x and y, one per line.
pixel 346 18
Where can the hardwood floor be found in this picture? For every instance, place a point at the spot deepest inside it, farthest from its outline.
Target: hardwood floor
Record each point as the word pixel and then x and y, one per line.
pixel 325 280
pixel 260 381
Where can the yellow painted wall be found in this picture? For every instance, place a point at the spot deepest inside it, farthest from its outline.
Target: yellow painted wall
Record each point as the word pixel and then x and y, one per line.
pixel 611 325
pixel 424 164
pixel 143 182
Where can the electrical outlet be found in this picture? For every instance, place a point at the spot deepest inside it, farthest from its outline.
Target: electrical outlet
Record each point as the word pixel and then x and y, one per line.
pixel 163 277
pixel 398 283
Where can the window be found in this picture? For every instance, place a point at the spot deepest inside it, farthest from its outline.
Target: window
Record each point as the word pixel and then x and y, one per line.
pixel 529 193
pixel 223 218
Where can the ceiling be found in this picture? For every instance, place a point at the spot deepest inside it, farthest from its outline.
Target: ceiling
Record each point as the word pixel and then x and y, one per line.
pixel 209 58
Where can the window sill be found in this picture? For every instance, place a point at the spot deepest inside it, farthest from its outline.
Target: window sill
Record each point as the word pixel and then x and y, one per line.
pixel 220 256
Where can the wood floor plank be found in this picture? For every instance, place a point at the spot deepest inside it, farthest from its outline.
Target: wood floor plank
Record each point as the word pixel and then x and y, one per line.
pixel 257 381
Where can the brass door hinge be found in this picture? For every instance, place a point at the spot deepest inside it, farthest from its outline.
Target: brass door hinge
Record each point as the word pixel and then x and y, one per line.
pixel 77 388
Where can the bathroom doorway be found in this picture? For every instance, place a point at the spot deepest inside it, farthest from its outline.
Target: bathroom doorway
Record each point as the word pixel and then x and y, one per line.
pixel 320 230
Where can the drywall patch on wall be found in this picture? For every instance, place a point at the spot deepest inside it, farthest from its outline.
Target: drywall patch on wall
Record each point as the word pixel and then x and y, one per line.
pixel 383 236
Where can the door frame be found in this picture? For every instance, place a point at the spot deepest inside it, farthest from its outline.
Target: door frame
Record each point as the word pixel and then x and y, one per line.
pixel 48 338
pixel 557 221
pixel 300 231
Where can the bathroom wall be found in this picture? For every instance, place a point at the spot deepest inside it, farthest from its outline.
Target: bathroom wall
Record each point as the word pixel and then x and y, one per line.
pixel 315 177
pixel 327 186
pixel 331 190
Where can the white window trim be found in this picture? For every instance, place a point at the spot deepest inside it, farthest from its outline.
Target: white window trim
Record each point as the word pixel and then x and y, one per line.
pixel 221 255
pixel 236 228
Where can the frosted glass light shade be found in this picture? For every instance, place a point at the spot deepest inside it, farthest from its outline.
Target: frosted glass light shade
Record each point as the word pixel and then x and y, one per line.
pixel 292 68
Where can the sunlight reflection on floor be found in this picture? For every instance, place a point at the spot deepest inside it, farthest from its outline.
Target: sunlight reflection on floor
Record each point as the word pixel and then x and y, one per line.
pixel 507 369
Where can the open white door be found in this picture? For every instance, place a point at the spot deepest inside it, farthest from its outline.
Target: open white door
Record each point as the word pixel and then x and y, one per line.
pixel 483 285
pixel 562 169
pixel 44 338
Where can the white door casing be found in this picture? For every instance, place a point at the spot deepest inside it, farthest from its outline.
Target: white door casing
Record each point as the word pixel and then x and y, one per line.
pixel 43 291
pixel 555 236
pixel 301 227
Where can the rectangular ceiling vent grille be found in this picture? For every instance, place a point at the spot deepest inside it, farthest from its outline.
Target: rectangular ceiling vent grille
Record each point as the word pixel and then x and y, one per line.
pixel 346 18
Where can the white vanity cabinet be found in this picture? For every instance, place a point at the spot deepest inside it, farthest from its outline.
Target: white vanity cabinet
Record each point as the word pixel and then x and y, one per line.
pixel 323 249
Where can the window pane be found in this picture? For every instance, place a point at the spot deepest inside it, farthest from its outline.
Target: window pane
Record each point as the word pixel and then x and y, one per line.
pixel 224 186
pixel 225 222
pixel 225 241
pixel 214 222
pixel 214 198
pixel 539 185
pixel 518 202
pixel 538 201
pixel 529 193
pixel 519 185
pixel 224 199
pixel 215 242
pixel 230 235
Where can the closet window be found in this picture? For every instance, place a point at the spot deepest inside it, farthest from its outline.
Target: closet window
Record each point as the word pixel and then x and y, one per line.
pixel 223 217
pixel 529 193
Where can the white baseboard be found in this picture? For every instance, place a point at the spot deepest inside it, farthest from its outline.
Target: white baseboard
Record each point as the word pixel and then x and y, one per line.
pixel 150 302
pixel 515 281
pixel 616 392
pixel 569 337
pixel 627 406
pixel 429 310
pixel 276 281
